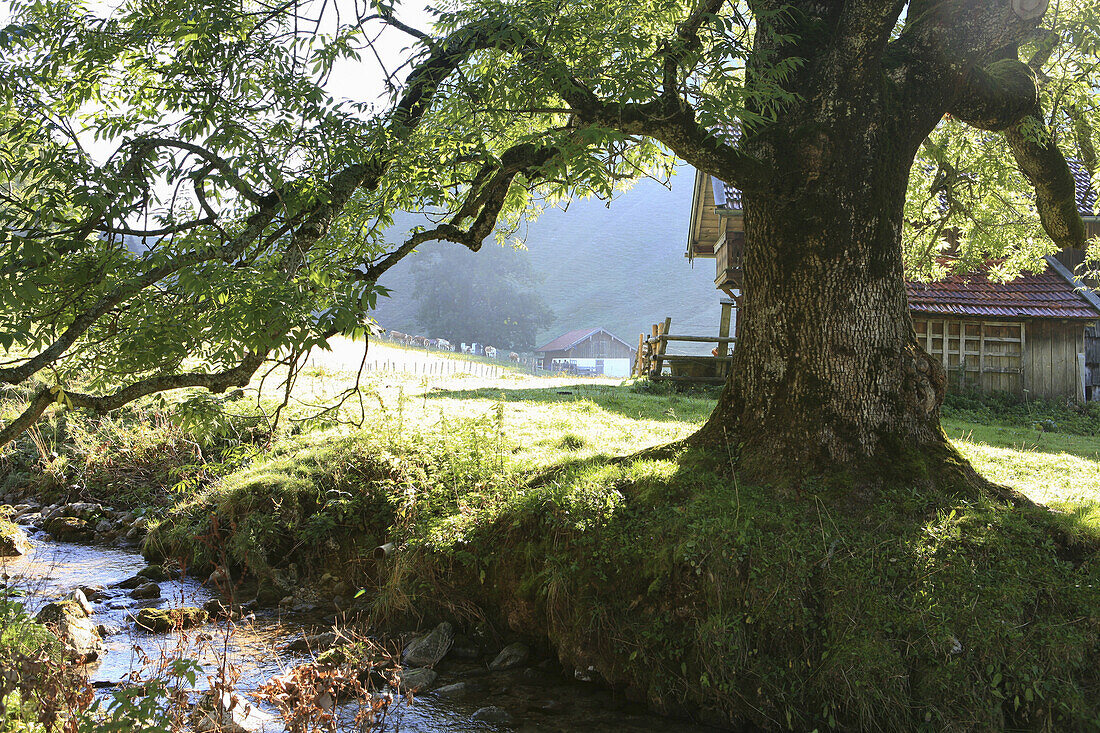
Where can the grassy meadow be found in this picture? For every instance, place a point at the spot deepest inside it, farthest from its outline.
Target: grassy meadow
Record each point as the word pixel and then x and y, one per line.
pixel 509 504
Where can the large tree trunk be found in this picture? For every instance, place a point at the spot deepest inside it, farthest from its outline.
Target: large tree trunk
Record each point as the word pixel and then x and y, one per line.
pixel 828 377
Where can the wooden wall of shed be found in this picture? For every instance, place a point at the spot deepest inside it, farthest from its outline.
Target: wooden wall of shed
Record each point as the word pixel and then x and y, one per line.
pixel 1092 355
pixel 1071 257
pixel 1053 367
pixel 1038 357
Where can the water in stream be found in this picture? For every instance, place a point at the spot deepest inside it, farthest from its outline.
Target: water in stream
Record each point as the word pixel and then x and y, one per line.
pixel 538 701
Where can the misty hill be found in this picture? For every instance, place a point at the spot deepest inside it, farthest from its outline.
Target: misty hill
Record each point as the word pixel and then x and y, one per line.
pixel 619 267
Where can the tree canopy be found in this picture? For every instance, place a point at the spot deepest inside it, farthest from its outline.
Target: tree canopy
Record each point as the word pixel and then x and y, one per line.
pixel 210 133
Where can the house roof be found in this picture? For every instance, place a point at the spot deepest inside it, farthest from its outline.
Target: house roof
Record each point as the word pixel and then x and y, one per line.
pixel 571 338
pixel 1047 294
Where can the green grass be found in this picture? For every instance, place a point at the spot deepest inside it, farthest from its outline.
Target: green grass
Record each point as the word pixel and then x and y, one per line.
pixel 679 584
pixel 689 590
pixel 1051 468
pixel 1002 408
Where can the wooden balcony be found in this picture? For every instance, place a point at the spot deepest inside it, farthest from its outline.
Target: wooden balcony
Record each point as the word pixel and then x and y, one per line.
pixel 728 250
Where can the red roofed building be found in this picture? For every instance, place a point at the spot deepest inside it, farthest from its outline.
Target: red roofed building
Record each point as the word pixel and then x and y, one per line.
pixel 1026 335
pixel 588 351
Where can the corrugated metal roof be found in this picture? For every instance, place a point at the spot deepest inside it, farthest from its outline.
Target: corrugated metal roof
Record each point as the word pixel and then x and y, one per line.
pixel 572 338
pixel 1032 295
pixel 568 339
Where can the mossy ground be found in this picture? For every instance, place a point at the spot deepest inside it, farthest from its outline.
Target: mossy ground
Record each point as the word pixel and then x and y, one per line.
pixel 673 579
pixel 701 595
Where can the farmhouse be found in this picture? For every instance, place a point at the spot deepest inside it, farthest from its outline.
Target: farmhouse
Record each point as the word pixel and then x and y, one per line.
pixel 588 350
pixel 1035 335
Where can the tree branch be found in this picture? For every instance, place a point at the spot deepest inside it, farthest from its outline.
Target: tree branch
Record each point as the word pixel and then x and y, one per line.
pixel 215 161
pixel 678 49
pixel 216 382
pixel 86 319
pixel 1042 163
pixel 996 97
pixel 677 128
pixel 487 200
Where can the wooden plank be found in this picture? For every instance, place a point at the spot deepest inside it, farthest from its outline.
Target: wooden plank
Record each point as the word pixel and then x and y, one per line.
pixel 724 324
pixel 1025 374
pixel 651 353
pixel 703 339
pixel 639 356
pixel 944 343
pixel 962 355
pixel 689 357
pixel 659 358
pixel 1041 360
pixel 1064 354
pixel 981 353
pixel 1080 395
pixel 1082 367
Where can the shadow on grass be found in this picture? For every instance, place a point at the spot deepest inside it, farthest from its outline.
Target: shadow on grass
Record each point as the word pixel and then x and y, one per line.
pixel 621 400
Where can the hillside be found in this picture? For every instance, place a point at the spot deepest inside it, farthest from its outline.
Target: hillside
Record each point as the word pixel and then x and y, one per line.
pixel 619 267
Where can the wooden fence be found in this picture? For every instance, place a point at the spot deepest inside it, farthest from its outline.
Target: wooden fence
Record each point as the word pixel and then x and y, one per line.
pixel 437 367
pixel 653 357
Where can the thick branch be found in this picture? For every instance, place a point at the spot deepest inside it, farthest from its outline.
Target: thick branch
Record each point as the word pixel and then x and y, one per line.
pixel 216 382
pixel 996 97
pixel 1042 163
pixel 487 200
pixel 953 35
pixel 864 29
pixel 674 125
pixel 39 403
pixel 934 60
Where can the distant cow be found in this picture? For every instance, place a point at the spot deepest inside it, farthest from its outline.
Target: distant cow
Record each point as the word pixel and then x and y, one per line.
pixel 444 344
pixel 491 352
pixel 513 357
pixel 398 336
pixel 419 341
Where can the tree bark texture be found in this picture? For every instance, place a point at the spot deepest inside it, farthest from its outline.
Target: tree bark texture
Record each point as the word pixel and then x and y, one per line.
pixel 827 370
pixel 828 378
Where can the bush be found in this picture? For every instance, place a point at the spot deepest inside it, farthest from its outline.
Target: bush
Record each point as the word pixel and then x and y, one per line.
pixel 1006 408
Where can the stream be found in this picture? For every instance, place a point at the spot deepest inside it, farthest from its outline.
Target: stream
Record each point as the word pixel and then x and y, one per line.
pixel 536 699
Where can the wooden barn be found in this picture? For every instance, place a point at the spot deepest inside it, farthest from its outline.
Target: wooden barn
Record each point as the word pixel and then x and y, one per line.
pixel 588 351
pixel 1035 335
pixel 1026 336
